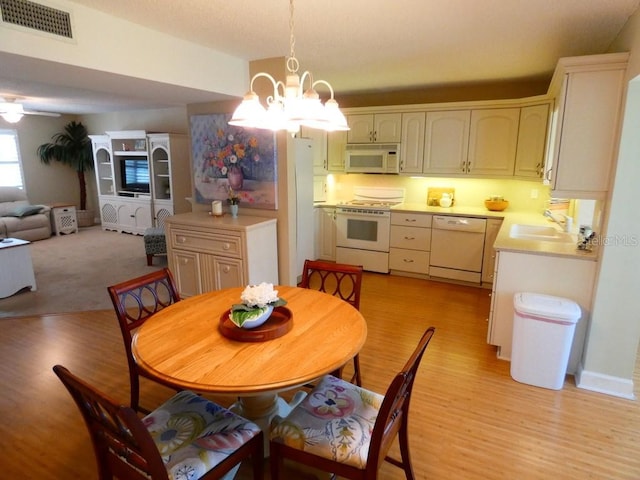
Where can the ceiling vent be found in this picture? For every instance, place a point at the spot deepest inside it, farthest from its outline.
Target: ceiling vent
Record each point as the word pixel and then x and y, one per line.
pixel 36 17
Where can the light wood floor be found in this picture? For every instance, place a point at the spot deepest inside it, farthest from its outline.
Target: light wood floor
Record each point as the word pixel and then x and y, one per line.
pixel 469 419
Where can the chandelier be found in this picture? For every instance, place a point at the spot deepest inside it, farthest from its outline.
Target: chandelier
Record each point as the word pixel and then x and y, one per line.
pixel 290 106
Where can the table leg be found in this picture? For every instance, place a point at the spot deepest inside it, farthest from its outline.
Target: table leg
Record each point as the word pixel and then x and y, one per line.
pixel 262 408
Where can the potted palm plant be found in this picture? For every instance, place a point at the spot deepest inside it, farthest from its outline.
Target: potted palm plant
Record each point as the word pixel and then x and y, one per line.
pixel 73 148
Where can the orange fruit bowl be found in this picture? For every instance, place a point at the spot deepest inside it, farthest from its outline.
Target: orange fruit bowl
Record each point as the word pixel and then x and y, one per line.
pixel 496 205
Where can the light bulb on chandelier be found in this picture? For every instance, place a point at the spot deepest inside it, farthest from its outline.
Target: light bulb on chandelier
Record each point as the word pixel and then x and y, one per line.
pixel 290 106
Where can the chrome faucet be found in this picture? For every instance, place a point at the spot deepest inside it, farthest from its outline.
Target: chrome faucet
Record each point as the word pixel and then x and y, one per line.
pixel 566 223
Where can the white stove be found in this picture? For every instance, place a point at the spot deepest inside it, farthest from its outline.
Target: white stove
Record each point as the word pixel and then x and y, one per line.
pixel 363 225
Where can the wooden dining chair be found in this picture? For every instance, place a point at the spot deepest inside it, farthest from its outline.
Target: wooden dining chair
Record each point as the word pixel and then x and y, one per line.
pixel 341 280
pixel 346 430
pixel 135 301
pixel 187 437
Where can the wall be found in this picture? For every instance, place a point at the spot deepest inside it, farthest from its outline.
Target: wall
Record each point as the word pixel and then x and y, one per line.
pixel 612 345
pixel 106 49
pixel 468 192
pixel 286 212
pixel 45 184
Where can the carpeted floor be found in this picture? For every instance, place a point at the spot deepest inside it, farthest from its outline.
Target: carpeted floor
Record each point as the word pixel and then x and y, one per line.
pixel 73 272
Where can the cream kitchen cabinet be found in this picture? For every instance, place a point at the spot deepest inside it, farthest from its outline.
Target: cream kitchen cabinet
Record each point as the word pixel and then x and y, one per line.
pixel 585 124
pixel 325 229
pixel 375 128
pixel 489 254
pixel 318 149
pixel 410 244
pixel 336 142
pixel 532 140
pixel 412 145
pixel 493 139
pixel 446 142
pixel 566 277
pixel 207 253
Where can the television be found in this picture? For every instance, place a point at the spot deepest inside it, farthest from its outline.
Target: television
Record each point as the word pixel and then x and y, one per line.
pixel 134 175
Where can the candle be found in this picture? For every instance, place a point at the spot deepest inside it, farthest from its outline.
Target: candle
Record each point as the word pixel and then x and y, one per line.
pixel 216 208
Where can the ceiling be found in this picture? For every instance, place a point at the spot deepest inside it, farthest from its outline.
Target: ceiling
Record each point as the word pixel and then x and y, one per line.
pixel 359 46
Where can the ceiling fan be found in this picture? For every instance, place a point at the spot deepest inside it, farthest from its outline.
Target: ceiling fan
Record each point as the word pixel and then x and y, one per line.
pixel 13 111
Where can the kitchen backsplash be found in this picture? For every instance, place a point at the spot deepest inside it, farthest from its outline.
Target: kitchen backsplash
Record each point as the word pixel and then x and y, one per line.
pixel 522 195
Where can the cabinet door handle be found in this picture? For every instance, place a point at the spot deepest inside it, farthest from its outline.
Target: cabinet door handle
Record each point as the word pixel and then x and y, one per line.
pixel 407 260
pixel 409 238
pixel 226 246
pixel 410 220
pixel 226 269
pixel 181 239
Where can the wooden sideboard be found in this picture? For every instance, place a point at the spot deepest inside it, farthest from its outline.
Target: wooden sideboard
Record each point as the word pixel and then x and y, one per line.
pixel 207 253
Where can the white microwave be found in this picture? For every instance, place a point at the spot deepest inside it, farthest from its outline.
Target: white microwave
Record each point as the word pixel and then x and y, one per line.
pixel 372 158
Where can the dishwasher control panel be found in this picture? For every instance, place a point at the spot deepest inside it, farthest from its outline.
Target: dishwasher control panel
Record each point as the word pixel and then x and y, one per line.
pixel 464 224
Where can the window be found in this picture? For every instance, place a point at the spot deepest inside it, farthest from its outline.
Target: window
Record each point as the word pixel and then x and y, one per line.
pixel 10 164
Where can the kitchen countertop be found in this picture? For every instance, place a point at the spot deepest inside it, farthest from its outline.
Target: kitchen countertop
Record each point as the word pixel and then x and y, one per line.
pixel 503 241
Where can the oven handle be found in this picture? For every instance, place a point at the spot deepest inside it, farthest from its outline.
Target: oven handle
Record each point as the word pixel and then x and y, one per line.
pixel 372 216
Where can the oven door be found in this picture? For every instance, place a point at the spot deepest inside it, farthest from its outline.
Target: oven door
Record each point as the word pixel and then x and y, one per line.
pixel 364 231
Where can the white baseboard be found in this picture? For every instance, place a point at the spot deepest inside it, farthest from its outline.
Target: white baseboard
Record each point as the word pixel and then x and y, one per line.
pixel 607 384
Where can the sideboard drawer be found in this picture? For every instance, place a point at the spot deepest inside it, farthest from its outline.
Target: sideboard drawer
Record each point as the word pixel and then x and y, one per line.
pixel 226 245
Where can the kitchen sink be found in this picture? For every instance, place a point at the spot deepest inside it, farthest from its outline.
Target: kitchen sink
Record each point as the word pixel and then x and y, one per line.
pixel 539 232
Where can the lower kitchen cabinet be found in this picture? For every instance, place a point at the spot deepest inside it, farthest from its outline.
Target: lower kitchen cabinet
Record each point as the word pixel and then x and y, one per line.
pixel 410 244
pixel 207 253
pixel 489 255
pixel 571 278
pixel 325 245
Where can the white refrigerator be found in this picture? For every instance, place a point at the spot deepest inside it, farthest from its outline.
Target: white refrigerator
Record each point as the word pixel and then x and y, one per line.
pixel 304 202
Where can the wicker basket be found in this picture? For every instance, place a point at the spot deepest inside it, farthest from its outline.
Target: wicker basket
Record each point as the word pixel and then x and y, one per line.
pixel 496 205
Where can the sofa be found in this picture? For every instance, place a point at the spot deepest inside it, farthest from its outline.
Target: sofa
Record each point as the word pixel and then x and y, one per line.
pixel 20 219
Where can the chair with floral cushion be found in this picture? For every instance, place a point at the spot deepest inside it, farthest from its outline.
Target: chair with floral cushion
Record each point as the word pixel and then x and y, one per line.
pixel 342 281
pixel 346 430
pixel 134 301
pixel 187 438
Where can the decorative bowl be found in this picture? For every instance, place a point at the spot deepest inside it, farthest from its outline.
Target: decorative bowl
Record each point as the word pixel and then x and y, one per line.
pixel 253 321
pixel 496 205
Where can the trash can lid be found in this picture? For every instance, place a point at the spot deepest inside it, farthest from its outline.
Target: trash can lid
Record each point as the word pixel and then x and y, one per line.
pixel 547 307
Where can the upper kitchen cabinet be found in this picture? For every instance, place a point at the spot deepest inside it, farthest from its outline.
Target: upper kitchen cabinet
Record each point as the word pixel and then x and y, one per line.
pixel 412 145
pixel 493 139
pixel 446 142
pixel 318 149
pixel 374 128
pixel 585 124
pixel 532 141
pixel 336 142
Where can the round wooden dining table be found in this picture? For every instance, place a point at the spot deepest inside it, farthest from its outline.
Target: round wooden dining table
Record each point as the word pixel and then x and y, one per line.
pixel 183 347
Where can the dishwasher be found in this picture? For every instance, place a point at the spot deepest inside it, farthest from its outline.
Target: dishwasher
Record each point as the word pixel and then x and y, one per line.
pixel 457 247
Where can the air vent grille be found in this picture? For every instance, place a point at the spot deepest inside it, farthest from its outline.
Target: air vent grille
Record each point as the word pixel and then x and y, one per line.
pixel 37 17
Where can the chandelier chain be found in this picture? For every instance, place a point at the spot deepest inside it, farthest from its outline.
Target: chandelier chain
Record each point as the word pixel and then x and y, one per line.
pixel 292 62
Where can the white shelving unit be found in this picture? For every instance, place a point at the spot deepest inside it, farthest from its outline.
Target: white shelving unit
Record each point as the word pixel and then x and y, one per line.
pixel 152 199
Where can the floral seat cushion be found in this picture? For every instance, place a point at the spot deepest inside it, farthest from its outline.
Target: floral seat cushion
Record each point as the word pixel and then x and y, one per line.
pixel 194 434
pixel 334 421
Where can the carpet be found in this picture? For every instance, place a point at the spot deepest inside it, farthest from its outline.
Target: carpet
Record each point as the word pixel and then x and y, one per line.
pixel 73 272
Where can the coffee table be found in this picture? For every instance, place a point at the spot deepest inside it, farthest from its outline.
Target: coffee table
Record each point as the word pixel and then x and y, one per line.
pixel 16 267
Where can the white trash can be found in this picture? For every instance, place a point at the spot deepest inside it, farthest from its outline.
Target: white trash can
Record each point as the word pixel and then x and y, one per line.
pixel 543 328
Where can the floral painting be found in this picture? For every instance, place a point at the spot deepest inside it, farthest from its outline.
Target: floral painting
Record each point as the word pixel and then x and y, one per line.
pixel 233 161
